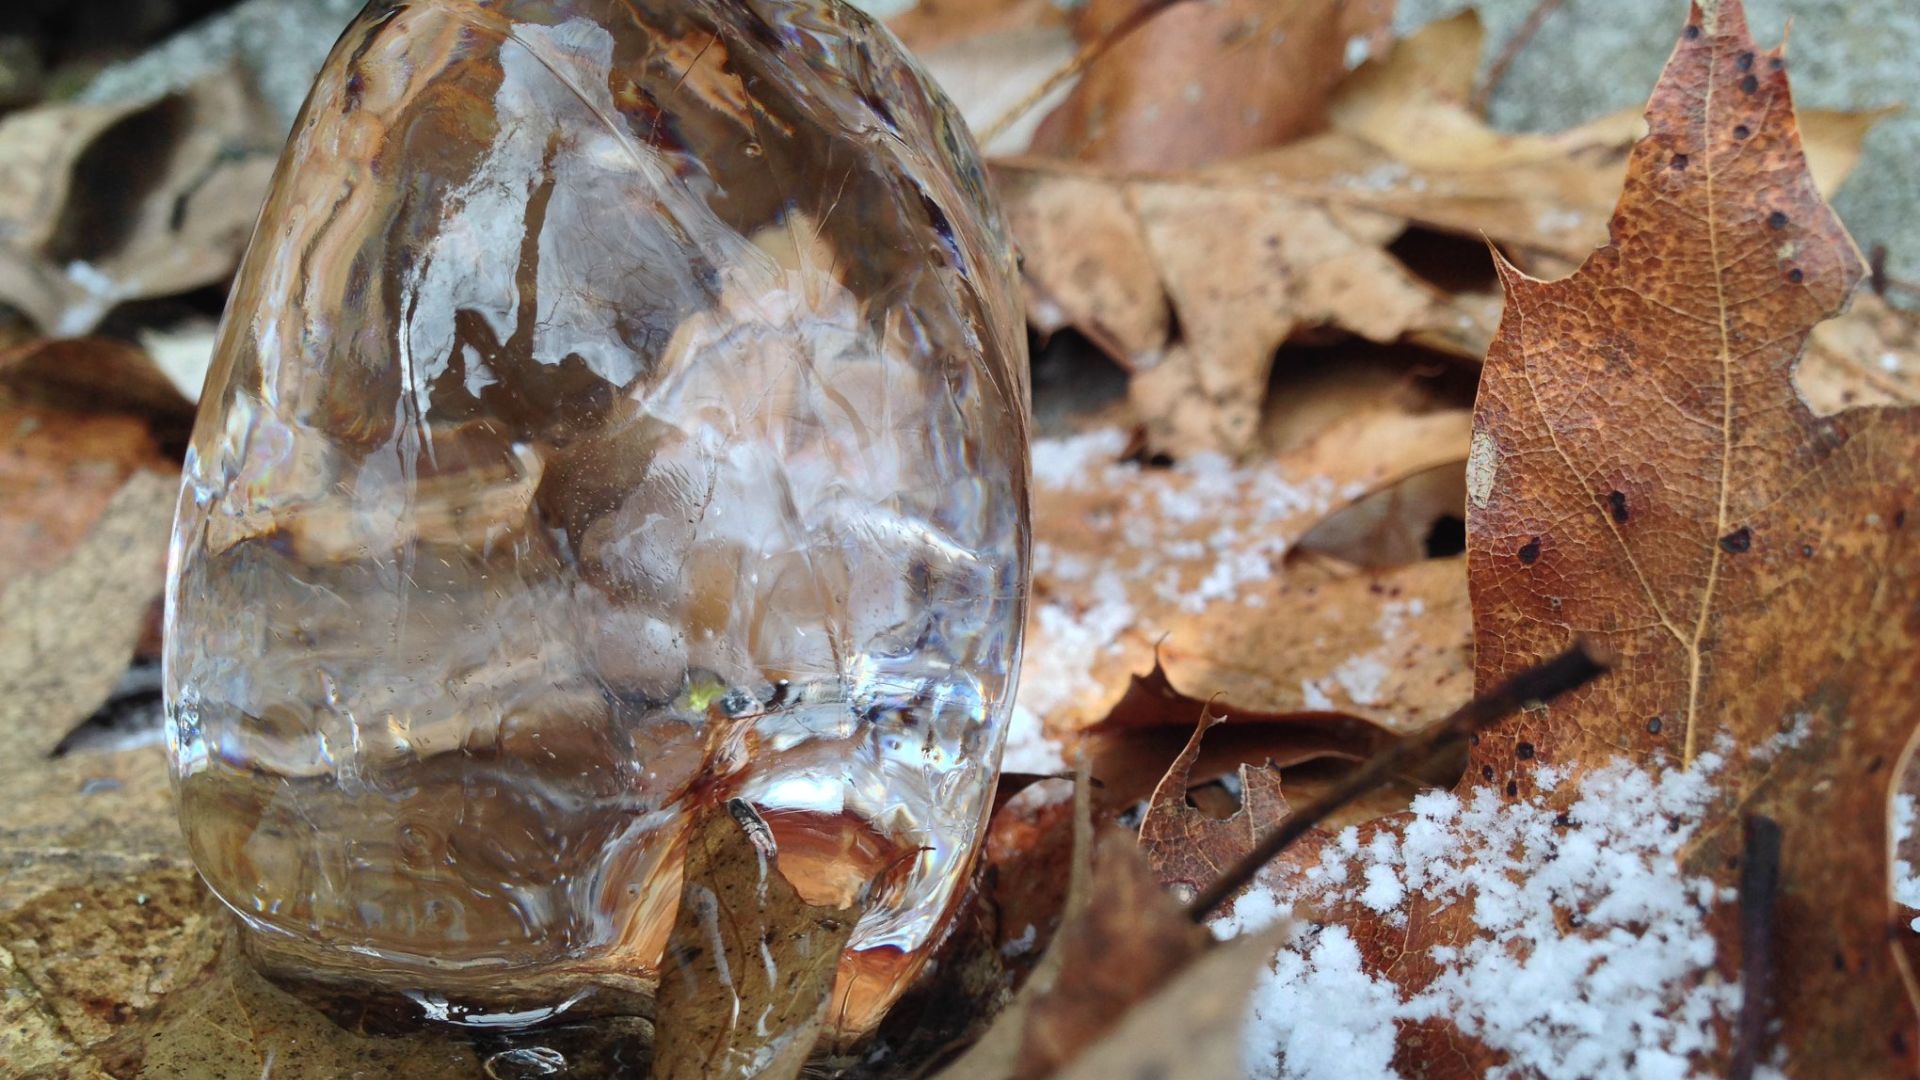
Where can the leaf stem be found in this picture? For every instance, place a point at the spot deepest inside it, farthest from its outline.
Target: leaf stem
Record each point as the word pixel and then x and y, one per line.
pixel 1568 671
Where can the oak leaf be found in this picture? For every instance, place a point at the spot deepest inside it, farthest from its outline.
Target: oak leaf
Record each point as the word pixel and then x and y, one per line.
pixel 1650 478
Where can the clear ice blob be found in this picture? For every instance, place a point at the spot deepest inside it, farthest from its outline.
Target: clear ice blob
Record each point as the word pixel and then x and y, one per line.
pixel 622 404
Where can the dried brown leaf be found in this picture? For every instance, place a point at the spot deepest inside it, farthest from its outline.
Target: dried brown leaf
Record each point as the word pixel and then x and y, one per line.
pixel 1654 481
pixel 1202 82
pixel 1121 938
pixel 1286 636
pixel 58 472
pixel 1393 524
pixel 129 202
pixel 1237 268
pixel 1190 1029
pixel 749 968
pixel 1405 141
pixel 92 375
pixel 67 634
pixel 1188 849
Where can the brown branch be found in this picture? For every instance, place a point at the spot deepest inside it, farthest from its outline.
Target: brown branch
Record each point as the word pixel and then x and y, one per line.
pixel 1497 71
pixel 1569 671
pixel 1088 53
pixel 1759 896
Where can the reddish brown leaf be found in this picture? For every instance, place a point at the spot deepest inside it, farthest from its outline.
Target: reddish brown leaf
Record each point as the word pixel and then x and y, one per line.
pixel 1646 475
pixel 58 470
pixel 1188 849
pixel 1206 81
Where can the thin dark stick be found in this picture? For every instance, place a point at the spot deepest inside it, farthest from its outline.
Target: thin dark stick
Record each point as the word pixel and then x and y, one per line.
pixel 1569 671
pixel 1759 895
pixel 1497 71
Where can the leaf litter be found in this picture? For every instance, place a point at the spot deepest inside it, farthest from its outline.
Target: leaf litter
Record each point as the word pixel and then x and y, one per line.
pixel 1243 590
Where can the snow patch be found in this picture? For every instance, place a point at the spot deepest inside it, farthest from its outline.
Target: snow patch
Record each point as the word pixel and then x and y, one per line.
pixel 1630 991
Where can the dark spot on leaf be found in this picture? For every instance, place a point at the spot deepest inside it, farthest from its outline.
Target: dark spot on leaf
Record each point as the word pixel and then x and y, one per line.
pixel 1693 33
pixel 1562 820
pixel 1899 519
pixel 1777 220
pixel 1776 63
pixel 1654 725
pixel 1899 1043
pixel 1679 161
pixel 1796 275
pixel 1473 740
pixel 1525 751
pixel 1746 61
pixel 1806 550
pixel 1750 83
pixel 1741 131
pixel 1617 501
pixel 1513 788
pixel 1737 541
pixel 1530 551
pixel 1486 772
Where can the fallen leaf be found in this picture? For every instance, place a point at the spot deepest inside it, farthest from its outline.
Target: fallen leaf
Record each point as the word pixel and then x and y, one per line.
pixel 67 634
pixel 128 202
pixel 1201 82
pixel 1185 567
pixel 1154 723
pixel 58 472
pixel 1659 486
pixel 1186 848
pixel 1121 938
pixel 1191 1029
pixel 1405 142
pixel 1396 523
pixel 928 25
pixel 1645 477
pixel 1193 282
pixel 990 75
pixel 749 968
pixel 1868 356
pixel 93 375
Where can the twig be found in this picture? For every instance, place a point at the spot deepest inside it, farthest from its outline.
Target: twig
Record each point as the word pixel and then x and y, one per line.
pixel 1569 671
pixel 1497 71
pixel 1759 895
pixel 1092 51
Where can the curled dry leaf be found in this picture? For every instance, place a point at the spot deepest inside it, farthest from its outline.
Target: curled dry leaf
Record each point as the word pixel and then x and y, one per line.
pixel 1396 523
pixel 1155 722
pixel 1192 1028
pixel 1186 848
pixel 1657 483
pixel 131 201
pixel 749 968
pixel 1194 281
pixel 1201 82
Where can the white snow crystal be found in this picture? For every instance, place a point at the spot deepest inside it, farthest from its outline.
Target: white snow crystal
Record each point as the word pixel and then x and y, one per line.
pixel 1631 992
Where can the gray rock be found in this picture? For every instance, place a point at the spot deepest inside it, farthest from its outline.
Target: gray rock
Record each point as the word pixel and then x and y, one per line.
pixel 1592 57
